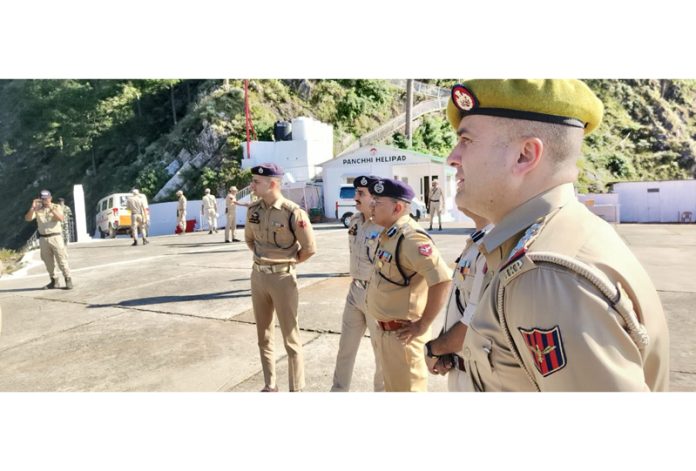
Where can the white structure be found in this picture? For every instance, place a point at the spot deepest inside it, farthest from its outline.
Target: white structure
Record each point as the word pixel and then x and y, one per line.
pixel 311 144
pixel 659 201
pixel 80 214
pixel 604 205
pixel 416 169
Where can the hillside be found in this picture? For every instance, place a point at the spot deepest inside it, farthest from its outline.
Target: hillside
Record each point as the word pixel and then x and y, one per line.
pixel 111 135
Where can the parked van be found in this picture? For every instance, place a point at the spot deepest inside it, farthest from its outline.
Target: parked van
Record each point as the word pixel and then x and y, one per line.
pixel 345 206
pixel 113 216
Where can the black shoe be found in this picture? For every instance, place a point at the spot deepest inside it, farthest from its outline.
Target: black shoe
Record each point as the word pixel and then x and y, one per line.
pixel 135 242
pixel 68 283
pixel 52 284
pixel 210 232
pixel 236 240
pixel 430 228
pixel 440 229
pixel 145 242
pixel 227 241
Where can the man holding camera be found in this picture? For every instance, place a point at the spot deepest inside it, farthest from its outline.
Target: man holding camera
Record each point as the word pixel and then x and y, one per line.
pixel 49 218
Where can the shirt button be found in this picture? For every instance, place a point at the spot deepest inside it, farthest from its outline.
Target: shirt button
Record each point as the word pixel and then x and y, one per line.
pixel 467 353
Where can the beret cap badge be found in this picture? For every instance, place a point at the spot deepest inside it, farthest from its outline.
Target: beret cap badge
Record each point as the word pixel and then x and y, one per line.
pixel 260 170
pixel 379 187
pixel 363 181
pixel 463 98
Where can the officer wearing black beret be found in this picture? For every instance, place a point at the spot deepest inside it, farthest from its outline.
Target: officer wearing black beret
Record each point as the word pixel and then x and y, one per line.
pixel 408 287
pixel 279 234
pixel 362 242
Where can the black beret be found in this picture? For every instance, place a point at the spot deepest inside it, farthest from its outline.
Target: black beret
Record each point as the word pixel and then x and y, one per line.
pixel 267 170
pixel 392 189
pixel 364 181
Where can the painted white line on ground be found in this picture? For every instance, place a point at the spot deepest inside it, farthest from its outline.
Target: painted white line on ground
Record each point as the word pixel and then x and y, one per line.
pixel 125 262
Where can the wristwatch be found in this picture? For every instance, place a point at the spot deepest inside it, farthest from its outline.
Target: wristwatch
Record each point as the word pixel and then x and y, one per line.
pixel 429 350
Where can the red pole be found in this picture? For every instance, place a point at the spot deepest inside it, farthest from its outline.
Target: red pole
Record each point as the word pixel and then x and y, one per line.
pixel 246 115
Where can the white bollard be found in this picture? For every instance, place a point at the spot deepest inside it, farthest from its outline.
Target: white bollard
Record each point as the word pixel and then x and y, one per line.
pixel 80 214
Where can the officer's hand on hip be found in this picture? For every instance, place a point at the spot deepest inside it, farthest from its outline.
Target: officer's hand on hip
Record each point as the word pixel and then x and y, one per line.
pixel 408 333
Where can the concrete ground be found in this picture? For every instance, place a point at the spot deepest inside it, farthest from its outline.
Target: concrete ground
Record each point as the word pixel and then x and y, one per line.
pixel 176 315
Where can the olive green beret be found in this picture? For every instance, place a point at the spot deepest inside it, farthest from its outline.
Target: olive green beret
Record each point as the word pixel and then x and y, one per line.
pixel 566 102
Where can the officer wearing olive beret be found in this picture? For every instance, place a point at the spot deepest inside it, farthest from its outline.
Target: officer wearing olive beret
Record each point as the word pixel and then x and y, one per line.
pixel 407 288
pixel 279 234
pixel 362 242
pixel 566 306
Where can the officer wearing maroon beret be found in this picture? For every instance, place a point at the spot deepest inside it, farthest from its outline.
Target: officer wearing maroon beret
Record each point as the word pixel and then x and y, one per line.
pixel 279 234
pixel 408 287
pixel 362 242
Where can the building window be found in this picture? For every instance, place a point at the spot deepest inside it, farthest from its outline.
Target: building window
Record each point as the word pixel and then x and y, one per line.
pixel 653 190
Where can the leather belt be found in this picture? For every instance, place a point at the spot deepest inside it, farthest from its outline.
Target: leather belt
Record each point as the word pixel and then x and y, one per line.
pixel 392 325
pixel 275 268
pixel 361 283
pixel 49 235
pixel 434 201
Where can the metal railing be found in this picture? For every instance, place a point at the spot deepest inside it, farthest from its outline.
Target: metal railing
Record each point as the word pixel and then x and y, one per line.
pixel 421 88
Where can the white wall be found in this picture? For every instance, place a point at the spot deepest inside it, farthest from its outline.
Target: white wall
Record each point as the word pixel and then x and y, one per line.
pixel 311 144
pixel 666 205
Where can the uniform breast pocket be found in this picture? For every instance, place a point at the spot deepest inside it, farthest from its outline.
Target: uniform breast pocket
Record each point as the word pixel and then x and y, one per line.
pixel 477 358
pixel 282 236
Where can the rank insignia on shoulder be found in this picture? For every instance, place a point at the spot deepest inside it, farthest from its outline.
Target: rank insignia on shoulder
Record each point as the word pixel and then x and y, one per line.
pixel 353 230
pixel 254 218
pixel 392 230
pixel 372 235
pixel 425 250
pixel 546 348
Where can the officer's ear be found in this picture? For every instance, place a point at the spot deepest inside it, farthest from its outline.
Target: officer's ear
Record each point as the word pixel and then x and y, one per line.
pixel 531 150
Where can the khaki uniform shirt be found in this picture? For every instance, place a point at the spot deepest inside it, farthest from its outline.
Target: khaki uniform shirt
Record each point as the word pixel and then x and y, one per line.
pixel 269 231
pixel 567 334
pixel 362 243
pixel 135 205
pixel 229 203
pixel 181 208
pixel 419 259
pixel 209 202
pixel 47 222
pixel 436 194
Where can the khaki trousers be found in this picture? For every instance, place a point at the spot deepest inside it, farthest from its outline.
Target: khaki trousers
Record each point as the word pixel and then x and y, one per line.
pixel 181 221
pixel 403 366
pixel 138 223
pixel 355 322
pixel 211 216
pixel 277 291
pixel 53 253
pixel 231 225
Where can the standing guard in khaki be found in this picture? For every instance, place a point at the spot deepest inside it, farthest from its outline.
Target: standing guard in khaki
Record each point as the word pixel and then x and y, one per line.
pixel 279 234
pixel 48 219
pixel 209 211
pixel 568 306
pixel 231 211
pixel 407 288
pixel 444 354
pixel 181 212
pixel 139 218
pixel 436 202
pixel 362 243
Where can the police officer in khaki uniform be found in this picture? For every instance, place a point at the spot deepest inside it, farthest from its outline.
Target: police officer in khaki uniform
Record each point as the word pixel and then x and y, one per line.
pixel 279 234
pixel 209 211
pixel 407 288
pixel 436 203
pixel 231 211
pixel 444 354
pixel 48 219
pixel 138 209
pixel 181 212
pixel 362 243
pixel 567 306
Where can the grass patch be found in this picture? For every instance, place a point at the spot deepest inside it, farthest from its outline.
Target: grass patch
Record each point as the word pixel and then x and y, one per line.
pixel 9 261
